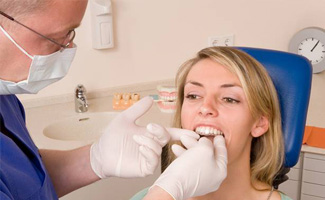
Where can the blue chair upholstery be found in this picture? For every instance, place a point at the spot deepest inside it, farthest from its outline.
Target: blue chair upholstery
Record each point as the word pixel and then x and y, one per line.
pixel 291 75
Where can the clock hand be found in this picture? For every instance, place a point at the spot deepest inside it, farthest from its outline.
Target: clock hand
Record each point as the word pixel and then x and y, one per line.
pixel 314 46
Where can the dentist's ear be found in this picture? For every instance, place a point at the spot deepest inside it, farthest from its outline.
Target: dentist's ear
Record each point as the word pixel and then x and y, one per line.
pixel 260 127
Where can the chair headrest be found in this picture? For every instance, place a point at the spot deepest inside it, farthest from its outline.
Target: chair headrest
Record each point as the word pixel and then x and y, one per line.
pixel 292 76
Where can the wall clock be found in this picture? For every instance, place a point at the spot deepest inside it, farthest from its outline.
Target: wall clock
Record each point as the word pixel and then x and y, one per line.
pixel 310 42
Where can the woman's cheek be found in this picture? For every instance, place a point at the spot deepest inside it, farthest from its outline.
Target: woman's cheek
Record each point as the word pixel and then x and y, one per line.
pixel 185 119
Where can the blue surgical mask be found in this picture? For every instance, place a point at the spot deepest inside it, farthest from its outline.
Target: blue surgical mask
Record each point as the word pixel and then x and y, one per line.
pixel 44 70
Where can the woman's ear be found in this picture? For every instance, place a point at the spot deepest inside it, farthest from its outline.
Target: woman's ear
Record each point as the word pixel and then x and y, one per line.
pixel 260 127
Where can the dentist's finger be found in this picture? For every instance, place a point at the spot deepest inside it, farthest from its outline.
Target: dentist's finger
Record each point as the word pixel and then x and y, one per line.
pixel 188 141
pixel 148 142
pixel 159 133
pixel 205 141
pixel 220 152
pixel 151 159
pixel 176 133
pixel 178 150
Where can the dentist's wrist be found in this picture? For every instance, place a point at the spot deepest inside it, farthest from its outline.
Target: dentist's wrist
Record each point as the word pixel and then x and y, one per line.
pixel 171 184
pixel 95 161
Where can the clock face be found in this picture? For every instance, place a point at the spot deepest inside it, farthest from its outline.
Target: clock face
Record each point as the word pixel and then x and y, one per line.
pixel 310 43
pixel 313 49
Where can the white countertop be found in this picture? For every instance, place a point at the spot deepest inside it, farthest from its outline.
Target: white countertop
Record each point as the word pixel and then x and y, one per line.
pixel 310 149
pixel 39 118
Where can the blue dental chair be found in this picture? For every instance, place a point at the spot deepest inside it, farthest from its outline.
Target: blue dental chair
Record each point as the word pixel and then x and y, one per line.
pixel 291 75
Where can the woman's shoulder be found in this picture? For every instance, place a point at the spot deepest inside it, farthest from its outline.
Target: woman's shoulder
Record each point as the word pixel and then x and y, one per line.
pixel 140 195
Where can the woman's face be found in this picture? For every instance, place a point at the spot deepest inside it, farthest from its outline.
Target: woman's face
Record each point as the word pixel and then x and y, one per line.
pixel 215 101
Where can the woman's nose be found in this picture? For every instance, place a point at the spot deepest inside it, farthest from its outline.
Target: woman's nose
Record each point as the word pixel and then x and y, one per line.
pixel 208 110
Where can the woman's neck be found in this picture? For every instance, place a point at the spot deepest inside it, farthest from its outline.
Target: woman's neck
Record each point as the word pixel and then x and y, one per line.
pixel 237 183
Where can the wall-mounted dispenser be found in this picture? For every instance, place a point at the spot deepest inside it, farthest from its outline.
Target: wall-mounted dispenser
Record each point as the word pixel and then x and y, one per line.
pixel 102 24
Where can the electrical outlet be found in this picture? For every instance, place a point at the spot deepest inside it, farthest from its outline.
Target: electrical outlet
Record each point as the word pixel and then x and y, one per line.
pixel 226 40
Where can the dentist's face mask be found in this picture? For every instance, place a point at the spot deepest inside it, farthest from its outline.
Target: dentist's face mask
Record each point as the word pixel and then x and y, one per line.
pixel 44 70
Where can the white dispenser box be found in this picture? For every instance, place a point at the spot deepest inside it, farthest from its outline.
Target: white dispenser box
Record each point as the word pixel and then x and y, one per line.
pixel 102 24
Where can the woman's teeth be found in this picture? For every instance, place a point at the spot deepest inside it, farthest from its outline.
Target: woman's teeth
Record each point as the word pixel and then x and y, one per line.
pixel 208 131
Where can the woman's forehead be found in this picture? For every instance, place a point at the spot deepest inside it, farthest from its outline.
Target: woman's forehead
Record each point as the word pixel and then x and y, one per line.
pixel 208 70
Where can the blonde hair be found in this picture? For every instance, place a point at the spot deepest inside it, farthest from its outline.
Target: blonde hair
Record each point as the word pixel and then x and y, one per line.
pixel 267 151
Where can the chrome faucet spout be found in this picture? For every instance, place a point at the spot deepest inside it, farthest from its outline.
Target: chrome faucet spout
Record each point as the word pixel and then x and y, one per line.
pixel 81 103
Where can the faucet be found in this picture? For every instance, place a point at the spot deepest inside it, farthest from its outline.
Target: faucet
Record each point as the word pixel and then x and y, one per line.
pixel 81 103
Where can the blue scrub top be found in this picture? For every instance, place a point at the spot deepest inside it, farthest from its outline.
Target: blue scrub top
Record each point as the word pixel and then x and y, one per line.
pixel 22 172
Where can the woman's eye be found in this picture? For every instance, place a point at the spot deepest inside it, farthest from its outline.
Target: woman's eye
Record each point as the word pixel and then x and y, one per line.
pixel 230 100
pixel 192 96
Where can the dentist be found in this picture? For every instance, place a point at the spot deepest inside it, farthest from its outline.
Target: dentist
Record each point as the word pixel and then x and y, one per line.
pixel 36 50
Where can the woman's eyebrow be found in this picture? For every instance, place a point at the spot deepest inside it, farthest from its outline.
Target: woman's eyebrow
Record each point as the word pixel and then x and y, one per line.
pixel 194 83
pixel 228 85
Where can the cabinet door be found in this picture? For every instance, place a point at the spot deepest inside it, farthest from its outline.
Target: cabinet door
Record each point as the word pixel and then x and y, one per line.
pixel 313 177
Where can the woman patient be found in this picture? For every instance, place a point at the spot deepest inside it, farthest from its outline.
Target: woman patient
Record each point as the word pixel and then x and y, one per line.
pixel 224 90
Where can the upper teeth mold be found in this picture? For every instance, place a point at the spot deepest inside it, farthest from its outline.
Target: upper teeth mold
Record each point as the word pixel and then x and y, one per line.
pixel 208 131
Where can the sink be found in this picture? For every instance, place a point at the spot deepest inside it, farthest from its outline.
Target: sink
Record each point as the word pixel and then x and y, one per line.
pixel 84 127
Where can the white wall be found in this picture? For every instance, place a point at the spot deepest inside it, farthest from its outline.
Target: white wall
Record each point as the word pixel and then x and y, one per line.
pixel 153 37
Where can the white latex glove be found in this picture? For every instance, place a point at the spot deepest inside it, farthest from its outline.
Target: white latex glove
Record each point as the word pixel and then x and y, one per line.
pixel 198 170
pixel 128 150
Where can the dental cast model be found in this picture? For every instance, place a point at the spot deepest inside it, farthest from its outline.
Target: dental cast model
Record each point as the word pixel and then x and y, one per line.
pixel 167 98
pixel 122 101
pixel 208 131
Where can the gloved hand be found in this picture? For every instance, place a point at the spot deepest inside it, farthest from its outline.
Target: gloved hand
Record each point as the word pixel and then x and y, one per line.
pixel 128 150
pixel 198 170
